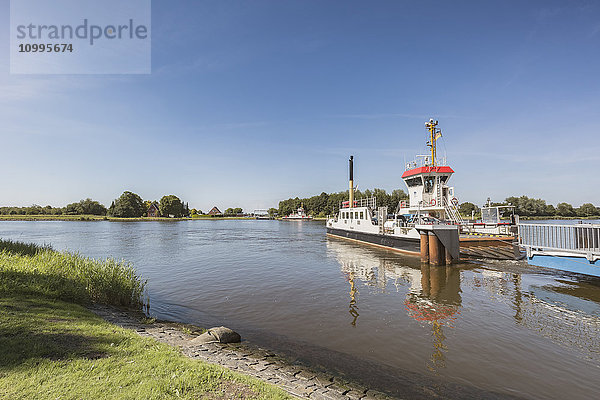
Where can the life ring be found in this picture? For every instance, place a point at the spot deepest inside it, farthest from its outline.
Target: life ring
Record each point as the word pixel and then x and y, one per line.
pixel 455 201
pixel 432 202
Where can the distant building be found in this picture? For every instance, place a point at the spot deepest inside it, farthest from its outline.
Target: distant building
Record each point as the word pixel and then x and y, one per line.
pixel 215 211
pixel 260 213
pixel 153 210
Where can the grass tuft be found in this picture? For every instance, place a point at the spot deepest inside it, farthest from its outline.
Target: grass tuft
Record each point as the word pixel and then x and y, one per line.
pixel 39 270
pixel 25 249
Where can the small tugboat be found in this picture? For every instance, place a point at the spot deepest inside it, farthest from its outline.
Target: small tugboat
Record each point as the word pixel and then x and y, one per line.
pixel 431 201
pixel 299 215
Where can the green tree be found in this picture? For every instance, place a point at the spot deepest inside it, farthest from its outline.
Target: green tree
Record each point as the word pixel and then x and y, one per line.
pixel 565 210
pixel 272 212
pixel 230 212
pixel 171 205
pixel 73 209
pixel 587 210
pixel 33 210
pixel 526 206
pixel 128 205
pixel 327 204
pixel 91 207
pixel 467 209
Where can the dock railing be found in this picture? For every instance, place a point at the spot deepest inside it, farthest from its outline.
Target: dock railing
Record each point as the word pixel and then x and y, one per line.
pixel 582 240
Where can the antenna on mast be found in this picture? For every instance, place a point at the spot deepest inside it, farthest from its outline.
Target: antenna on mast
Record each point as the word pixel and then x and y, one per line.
pixel 435 134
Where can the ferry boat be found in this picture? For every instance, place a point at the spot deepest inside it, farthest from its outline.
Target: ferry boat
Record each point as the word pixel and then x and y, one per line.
pixel 299 215
pixel 431 201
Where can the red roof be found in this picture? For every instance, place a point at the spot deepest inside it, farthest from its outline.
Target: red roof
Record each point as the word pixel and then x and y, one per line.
pixel 422 170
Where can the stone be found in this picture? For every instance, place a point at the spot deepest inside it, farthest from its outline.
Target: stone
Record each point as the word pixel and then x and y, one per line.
pixel 375 395
pixel 319 394
pixel 354 395
pixel 219 334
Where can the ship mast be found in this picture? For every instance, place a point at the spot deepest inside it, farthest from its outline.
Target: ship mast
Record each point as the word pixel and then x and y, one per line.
pixel 434 135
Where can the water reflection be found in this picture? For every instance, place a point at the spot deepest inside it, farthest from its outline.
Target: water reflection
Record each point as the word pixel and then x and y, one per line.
pixel 353 297
pixel 433 299
pixel 565 311
pixel 438 304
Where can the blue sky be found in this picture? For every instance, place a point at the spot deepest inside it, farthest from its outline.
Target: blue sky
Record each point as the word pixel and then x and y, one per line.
pixel 252 102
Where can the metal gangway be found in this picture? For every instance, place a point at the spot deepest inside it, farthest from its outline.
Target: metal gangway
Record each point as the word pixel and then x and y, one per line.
pixel 577 240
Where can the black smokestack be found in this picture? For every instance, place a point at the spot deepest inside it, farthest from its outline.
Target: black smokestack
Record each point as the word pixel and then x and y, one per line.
pixel 351 165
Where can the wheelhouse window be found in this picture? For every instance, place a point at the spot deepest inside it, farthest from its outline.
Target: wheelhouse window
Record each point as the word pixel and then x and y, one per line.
pixel 429 181
pixel 361 215
pixel 416 181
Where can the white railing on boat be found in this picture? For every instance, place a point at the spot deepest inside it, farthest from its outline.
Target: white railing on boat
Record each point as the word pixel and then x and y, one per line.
pixel 425 161
pixel 362 202
pixel 581 240
pixel 452 212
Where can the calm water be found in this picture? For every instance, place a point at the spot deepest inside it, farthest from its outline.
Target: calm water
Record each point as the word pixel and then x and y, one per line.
pixel 484 330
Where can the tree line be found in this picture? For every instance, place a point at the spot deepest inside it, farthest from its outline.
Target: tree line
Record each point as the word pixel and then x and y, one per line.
pixel 128 205
pixel 83 207
pixel 328 203
pixel 529 207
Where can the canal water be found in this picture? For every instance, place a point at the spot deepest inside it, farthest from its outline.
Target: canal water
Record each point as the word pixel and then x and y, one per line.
pixel 497 329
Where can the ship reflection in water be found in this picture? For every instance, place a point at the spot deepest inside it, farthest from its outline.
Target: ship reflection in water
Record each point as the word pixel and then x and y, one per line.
pixel 433 299
pixel 562 309
pixel 437 303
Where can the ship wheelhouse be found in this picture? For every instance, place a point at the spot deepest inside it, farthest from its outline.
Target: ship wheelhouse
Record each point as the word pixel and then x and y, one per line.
pixel 428 189
pixel 427 181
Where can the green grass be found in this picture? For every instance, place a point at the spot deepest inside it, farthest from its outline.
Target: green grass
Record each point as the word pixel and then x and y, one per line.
pixel 35 270
pixel 28 249
pixel 52 347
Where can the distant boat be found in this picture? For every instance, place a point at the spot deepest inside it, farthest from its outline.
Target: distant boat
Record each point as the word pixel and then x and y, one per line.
pixel 299 215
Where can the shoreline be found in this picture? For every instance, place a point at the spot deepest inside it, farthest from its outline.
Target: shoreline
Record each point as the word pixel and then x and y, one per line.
pixel 246 358
pixel 80 218
pixel 94 218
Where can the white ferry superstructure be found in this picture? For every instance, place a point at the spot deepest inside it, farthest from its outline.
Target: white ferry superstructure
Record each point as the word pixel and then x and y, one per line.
pixel 430 201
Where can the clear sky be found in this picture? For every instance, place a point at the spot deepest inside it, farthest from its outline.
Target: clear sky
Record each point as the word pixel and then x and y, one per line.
pixel 251 102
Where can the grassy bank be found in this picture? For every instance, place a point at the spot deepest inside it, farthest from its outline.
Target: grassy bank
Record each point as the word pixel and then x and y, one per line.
pixel 53 347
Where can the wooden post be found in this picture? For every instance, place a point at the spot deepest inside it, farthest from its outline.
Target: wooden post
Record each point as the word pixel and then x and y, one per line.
pixel 435 249
pixel 424 247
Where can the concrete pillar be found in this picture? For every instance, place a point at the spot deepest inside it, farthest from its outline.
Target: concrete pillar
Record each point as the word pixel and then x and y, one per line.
pixel 424 247
pixel 436 249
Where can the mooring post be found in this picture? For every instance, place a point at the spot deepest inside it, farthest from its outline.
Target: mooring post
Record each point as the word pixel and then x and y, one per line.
pixel 436 249
pixel 424 247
